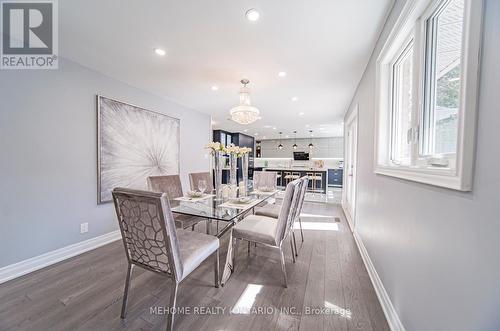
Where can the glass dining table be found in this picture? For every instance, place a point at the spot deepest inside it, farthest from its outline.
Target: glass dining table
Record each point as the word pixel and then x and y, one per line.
pixel 226 211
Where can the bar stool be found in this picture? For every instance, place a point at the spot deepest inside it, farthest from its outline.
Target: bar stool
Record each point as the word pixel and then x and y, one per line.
pixel 318 176
pixel 290 176
pixel 312 182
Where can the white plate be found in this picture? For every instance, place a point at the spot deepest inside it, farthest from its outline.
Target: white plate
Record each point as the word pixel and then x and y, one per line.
pixel 242 200
pixel 194 194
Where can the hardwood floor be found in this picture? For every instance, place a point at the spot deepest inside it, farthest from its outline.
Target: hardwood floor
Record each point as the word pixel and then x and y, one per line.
pixel 85 292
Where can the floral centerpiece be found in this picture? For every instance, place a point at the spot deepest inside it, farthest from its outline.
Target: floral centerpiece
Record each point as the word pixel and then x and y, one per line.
pixel 217 150
pixel 244 153
pixel 233 152
pixel 215 147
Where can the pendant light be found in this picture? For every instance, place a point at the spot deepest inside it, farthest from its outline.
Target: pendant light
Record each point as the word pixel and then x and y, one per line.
pixel 310 141
pixel 295 140
pixel 280 146
pixel 245 113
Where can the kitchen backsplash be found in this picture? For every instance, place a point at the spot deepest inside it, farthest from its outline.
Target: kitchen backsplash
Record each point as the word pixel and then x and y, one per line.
pixel 323 147
pixel 329 163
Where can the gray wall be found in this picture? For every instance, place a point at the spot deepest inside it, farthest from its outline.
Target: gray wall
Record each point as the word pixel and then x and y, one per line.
pixel 323 147
pixel 48 155
pixel 437 250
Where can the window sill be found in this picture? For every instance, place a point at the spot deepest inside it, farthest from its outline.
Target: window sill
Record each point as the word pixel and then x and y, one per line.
pixel 442 177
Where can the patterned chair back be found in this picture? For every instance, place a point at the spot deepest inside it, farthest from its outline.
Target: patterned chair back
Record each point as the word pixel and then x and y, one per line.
pixel 303 189
pixel 287 212
pixel 264 179
pixel 170 184
pixel 148 230
pixel 194 178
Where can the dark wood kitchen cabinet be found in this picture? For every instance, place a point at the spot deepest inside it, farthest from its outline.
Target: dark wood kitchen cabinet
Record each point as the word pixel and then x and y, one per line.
pixel 239 139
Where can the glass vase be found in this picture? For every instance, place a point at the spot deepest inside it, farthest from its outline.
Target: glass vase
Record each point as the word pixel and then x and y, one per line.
pixel 217 159
pixel 233 161
pixel 244 171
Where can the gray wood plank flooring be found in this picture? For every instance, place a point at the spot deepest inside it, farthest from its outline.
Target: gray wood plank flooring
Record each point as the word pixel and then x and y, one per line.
pixel 85 292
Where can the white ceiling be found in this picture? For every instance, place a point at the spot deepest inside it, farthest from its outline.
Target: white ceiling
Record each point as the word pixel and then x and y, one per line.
pixel 323 45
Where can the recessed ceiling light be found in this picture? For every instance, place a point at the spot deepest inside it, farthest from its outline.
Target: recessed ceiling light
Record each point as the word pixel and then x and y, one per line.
pixel 301 113
pixel 160 51
pixel 295 99
pixel 274 128
pixel 256 133
pixel 307 125
pixel 252 15
pixel 287 136
pixel 282 74
pixel 246 130
pixel 215 88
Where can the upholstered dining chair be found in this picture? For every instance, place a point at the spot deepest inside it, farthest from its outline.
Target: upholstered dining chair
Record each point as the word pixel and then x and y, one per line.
pixel 274 210
pixel 264 179
pixel 171 185
pixel 268 231
pixel 195 177
pixel 152 241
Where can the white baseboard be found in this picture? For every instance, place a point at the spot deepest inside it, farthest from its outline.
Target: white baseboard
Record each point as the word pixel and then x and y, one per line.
pixel 41 261
pixel 350 221
pixel 389 311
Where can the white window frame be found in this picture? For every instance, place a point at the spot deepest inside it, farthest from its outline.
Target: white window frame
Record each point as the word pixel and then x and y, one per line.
pixel 411 24
pixel 401 52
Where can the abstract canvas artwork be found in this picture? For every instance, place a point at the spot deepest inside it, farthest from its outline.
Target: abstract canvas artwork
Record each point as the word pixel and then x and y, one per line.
pixel 133 143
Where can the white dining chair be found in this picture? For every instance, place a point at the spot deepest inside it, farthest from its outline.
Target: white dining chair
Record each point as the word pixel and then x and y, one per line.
pixel 152 241
pixel 268 231
pixel 266 179
pixel 274 210
pixel 171 185
pixel 194 180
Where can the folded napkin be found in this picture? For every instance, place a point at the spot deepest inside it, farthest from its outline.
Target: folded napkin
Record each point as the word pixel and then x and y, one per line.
pixel 236 205
pixel 203 197
pixel 257 192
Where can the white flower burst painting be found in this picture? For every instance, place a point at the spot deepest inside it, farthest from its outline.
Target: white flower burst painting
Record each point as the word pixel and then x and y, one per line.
pixel 134 143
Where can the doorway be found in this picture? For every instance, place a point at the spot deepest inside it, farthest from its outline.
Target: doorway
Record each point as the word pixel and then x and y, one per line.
pixel 350 162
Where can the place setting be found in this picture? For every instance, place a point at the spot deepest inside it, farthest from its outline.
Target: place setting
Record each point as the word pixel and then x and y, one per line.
pixel 240 202
pixel 196 195
pixel 265 190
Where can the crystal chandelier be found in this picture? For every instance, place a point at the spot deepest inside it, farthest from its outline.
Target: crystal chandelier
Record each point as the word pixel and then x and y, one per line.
pixel 245 113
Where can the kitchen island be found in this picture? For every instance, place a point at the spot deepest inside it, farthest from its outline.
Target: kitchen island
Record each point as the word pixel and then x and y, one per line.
pixel 318 176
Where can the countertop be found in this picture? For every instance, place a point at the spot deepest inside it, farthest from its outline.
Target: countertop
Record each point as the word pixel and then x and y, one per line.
pixel 296 169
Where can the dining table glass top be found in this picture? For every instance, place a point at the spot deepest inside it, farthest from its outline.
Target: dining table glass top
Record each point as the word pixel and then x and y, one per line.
pixel 226 209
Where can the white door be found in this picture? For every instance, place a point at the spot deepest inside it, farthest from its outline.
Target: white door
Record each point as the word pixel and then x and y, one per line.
pixel 350 158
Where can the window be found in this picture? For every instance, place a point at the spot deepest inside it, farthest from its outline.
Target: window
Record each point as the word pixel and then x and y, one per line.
pixel 427 90
pixel 443 50
pixel 401 105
